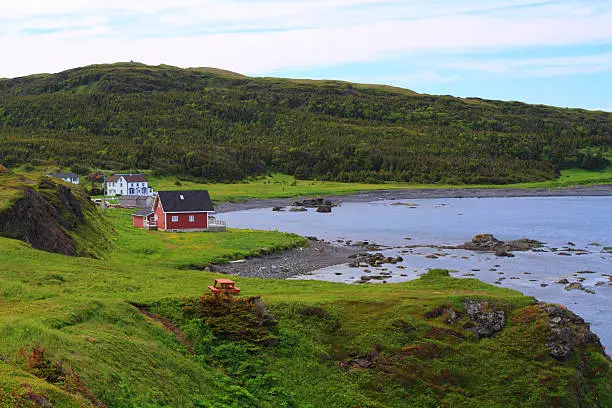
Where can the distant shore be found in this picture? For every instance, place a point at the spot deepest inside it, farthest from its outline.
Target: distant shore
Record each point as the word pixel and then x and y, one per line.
pixel 422 193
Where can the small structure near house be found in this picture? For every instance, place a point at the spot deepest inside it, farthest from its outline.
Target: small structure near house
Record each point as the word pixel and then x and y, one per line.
pixel 134 201
pixel 67 177
pixel 128 184
pixel 180 211
pixel 224 286
pixel 144 219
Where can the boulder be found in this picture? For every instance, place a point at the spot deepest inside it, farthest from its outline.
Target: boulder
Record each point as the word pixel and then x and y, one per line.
pixel 324 209
pixel 563 281
pixel 278 209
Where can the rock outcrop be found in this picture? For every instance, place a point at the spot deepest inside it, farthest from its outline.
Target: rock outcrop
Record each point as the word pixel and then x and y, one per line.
pixel 48 217
pixel 568 330
pixel 486 319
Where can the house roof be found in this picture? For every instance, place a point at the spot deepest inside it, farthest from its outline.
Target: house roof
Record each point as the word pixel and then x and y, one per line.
pixel 185 201
pixel 143 213
pixel 130 178
pixel 134 178
pixel 64 175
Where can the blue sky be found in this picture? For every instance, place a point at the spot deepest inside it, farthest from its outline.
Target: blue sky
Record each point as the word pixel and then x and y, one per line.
pixel 556 52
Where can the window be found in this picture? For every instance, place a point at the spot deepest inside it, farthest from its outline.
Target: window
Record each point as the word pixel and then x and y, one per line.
pixel 191 218
pixel 175 218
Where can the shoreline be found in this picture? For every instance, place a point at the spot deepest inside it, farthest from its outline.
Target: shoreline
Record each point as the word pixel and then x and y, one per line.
pixel 291 262
pixel 423 193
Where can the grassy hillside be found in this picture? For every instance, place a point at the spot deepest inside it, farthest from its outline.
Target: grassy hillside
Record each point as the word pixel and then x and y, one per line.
pixel 309 344
pixel 213 125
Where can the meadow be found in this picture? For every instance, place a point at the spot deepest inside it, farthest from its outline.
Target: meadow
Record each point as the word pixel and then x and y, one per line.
pixel 83 312
pixel 278 185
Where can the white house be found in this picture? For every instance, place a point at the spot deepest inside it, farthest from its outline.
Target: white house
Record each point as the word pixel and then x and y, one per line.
pixel 128 184
pixel 67 177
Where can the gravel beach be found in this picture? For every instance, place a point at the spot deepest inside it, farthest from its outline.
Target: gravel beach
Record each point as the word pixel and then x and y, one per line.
pixel 296 261
pixel 404 194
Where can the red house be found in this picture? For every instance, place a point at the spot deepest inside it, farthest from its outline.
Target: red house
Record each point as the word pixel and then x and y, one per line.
pixel 180 211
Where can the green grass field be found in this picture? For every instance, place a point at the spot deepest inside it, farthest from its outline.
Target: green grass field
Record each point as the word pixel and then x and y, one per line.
pixel 82 312
pixel 280 185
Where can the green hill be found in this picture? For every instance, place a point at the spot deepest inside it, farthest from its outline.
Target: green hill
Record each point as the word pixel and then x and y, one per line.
pixel 209 124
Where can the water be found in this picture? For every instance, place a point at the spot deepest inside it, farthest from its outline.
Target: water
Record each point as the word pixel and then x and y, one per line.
pixel 583 221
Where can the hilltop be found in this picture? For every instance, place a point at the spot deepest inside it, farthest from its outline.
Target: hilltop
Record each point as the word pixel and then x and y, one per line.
pixel 205 124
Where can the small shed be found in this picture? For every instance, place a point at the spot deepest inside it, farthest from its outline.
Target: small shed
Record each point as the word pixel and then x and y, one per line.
pixel 144 219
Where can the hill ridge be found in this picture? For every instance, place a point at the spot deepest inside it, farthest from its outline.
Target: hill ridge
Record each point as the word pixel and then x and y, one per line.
pixel 210 124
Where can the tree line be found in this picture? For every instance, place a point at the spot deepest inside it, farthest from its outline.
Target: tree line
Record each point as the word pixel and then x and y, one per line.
pixel 215 127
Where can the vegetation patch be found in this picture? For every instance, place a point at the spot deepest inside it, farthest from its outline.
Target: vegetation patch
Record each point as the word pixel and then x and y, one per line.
pixel 36 362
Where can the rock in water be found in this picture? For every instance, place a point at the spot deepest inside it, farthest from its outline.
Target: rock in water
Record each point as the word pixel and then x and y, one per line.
pixel 503 252
pixel 487 242
pixel 324 209
pixel 574 286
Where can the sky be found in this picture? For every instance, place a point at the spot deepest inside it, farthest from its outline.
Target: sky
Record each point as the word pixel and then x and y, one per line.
pixel 556 52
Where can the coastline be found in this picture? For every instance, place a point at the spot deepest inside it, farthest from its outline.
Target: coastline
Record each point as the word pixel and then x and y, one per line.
pixel 424 193
pixel 296 261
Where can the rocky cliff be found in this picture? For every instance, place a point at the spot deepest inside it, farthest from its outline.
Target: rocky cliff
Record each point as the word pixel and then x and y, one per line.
pixel 55 217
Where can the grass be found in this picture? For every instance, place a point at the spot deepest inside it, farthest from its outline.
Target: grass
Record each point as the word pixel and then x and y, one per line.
pixel 81 310
pixel 283 186
pixel 11 188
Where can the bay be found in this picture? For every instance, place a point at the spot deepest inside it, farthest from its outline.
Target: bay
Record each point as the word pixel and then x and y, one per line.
pixel 564 224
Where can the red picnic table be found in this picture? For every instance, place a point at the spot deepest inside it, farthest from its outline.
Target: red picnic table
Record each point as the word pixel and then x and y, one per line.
pixel 224 286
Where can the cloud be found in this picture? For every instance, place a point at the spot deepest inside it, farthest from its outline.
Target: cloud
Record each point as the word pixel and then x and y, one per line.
pixel 539 67
pixel 263 36
pixel 606 108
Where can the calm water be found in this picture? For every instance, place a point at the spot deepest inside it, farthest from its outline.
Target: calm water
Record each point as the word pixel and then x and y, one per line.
pixel 553 220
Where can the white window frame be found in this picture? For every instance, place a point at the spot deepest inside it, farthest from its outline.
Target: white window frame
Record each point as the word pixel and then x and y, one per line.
pixel 192 218
pixel 175 218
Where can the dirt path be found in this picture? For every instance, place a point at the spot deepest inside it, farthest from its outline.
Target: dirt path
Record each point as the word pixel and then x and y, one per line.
pixel 168 325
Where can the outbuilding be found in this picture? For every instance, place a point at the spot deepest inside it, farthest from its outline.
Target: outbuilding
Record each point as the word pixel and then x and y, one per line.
pixel 143 219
